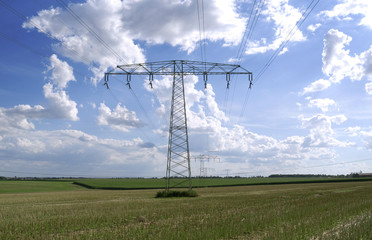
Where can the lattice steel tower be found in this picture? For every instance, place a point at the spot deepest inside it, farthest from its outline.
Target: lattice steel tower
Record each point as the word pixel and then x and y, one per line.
pixel 178 173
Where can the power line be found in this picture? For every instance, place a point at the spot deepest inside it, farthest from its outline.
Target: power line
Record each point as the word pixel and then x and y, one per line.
pixel 90 30
pixel 33 50
pixel 294 29
pixel 23 17
pixel 202 35
pixel 298 24
pixel 250 27
pixel 142 109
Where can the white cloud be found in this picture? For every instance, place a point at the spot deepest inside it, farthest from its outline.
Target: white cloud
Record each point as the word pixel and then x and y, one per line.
pixel 72 152
pixel 284 17
pixel 239 145
pixel 62 73
pixel 368 88
pixel 176 22
pixel 322 104
pixel 119 118
pixel 313 27
pixel 367 139
pixel 78 43
pixel 366 59
pixel 353 131
pixel 316 86
pixel 348 8
pixel 321 132
pixel 338 63
pixel 59 104
pixel 119 25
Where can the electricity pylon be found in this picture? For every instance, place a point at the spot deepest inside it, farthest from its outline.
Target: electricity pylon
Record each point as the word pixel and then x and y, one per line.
pixel 178 173
pixel 202 159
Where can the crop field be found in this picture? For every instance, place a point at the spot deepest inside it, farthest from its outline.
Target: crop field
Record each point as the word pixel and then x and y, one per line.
pixel 36 186
pixel 337 210
pixel 156 183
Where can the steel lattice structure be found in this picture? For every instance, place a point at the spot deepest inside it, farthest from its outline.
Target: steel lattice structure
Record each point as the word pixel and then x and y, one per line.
pixel 178 173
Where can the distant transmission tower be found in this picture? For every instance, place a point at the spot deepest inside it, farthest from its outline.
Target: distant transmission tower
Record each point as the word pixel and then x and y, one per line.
pixel 202 159
pixel 178 172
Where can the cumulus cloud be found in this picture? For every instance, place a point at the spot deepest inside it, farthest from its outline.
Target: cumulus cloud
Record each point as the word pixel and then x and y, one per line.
pixel 119 118
pixel 350 8
pixel 321 132
pixel 316 86
pixel 59 105
pixel 322 104
pixel 284 17
pixel 73 152
pixel 176 22
pixel 313 27
pixel 118 25
pixel 236 144
pixel 339 63
pixel 367 139
pixel 61 72
pixel 353 131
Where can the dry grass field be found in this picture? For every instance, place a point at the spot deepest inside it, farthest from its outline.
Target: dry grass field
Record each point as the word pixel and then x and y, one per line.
pixel 293 211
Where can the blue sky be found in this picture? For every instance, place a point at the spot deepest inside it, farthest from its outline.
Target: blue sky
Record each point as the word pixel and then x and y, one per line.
pixel 309 112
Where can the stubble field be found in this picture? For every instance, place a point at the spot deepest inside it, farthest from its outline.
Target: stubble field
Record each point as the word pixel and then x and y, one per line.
pixel 295 211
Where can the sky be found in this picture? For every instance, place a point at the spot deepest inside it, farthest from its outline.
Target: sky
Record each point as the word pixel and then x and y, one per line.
pixel 309 109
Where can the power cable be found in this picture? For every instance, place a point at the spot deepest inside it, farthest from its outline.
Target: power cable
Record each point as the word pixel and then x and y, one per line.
pixel 204 36
pixel 200 35
pixel 250 27
pixel 23 17
pixel 142 109
pixel 90 30
pixel 295 28
pixel 34 51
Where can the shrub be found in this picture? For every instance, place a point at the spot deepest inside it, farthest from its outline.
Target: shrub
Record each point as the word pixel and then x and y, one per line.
pixel 165 194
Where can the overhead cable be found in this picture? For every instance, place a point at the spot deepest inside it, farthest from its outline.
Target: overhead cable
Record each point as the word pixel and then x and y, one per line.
pixel 38 27
pixel 290 34
pixel 90 30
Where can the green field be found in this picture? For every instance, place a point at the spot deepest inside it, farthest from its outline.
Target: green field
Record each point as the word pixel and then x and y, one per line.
pixel 338 210
pixel 155 183
pixel 36 186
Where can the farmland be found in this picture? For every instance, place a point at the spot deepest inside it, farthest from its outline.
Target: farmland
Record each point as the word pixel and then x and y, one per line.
pixel 36 186
pixel 156 183
pixel 337 210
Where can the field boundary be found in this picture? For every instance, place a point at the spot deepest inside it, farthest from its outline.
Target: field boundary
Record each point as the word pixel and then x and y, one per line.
pixel 230 185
